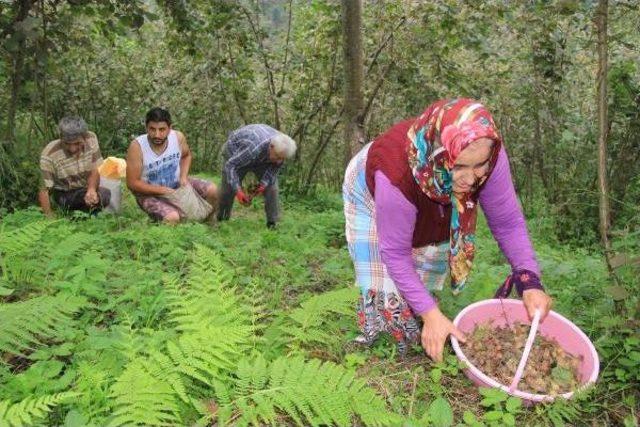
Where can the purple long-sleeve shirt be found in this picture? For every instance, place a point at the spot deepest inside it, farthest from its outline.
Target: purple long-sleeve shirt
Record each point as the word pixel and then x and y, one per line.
pixel 396 218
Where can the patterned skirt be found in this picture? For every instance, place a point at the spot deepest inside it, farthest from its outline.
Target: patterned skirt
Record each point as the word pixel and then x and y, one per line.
pixel 381 308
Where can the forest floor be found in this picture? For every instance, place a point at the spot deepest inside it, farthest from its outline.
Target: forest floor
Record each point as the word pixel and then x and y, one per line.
pixel 298 282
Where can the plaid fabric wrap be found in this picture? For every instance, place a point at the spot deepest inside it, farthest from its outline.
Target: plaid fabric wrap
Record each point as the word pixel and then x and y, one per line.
pixel 381 307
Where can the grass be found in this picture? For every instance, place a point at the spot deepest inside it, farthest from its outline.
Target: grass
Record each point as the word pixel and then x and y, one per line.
pixel 119 265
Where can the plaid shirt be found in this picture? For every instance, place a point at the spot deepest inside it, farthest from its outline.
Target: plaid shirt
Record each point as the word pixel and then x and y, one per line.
pixel 63 171
pixel 249 147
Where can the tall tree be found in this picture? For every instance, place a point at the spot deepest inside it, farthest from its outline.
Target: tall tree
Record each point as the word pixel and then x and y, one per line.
pixel 603 126
pixel 16 33
pixel 354 72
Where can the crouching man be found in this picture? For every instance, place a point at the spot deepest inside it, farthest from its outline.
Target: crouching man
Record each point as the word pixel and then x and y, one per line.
pixel 259 149
pixel 69 167
pixel 158 163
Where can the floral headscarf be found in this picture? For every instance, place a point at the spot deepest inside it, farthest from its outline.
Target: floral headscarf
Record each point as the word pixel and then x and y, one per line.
pixel 434 142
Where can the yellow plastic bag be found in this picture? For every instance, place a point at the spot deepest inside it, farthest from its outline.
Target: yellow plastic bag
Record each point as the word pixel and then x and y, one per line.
pixel 113 168
pixel 111 171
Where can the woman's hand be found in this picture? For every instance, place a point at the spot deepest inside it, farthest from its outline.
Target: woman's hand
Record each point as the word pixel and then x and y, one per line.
pixel 435 331
pixel 536 299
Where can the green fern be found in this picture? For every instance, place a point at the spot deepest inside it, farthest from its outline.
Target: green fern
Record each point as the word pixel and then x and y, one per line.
pixel 253 296
pixel 307 392
pixel 64 249
pixel 215 326
pixel 92 385
pixel 17 273
pixel 20 239
pixel 207 297
pixel 30 410
pixel 210 353
pixel 141 398
pixel 25 323
pixel 308 323
pixel 163 367
pixel 15 269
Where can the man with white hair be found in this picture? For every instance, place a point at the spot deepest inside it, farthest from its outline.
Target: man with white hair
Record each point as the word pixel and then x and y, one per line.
pixel 69 167
pixel 260 149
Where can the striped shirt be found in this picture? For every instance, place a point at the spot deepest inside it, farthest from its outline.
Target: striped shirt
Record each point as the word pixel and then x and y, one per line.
pixel 63 171
pixel 248 147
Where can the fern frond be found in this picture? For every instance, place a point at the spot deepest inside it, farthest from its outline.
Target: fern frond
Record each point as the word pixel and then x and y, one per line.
pixel 208 270
pixel 253 296
pixel 20 239
pixel 163 367
pixel 207 297
pixel 92 385
pixel 31 409
pixel 308 322
pixel 210 353
pixel 140 398
pixel 63 249
pixel 25 323
pixel 307 392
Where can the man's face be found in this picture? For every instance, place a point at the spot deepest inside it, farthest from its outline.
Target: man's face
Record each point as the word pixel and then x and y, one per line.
pixel 158 132
pixel 275 157
pixel 74 146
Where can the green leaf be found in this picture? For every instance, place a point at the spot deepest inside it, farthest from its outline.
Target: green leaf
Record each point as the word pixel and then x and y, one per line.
pixel 5 291
pixel 493 415
pixel 561 375
pixel 513 404
pixel 436 375
pixel 440 412
pixel 630 421
pixel 509 419
pixel 567 135
pixel 618 293
pixel 469 417
pixel 75 419
pixel 492 396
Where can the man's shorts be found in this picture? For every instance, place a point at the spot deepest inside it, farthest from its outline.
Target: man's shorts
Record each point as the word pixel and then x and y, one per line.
pixel 159 208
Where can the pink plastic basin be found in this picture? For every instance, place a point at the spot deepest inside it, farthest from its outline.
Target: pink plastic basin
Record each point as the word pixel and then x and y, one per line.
pixel 555 326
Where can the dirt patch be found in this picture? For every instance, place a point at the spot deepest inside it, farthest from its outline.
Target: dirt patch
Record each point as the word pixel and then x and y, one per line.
pixel 496 351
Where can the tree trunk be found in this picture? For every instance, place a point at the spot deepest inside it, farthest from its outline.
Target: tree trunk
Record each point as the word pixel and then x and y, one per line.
pixel 354 71
pixel 16 65
pixel 603 128
pixel 42 61
pixel 255 28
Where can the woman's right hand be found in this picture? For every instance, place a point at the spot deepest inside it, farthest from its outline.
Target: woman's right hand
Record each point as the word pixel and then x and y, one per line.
pixel 435 330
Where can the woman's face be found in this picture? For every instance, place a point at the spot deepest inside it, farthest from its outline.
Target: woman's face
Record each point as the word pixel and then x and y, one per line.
pixel 471 165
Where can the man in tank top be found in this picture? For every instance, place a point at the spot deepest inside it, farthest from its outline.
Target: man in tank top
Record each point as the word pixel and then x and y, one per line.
pixel 158 163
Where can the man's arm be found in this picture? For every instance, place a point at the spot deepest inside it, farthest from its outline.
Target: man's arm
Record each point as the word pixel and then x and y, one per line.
pixel 44 202
pixel 185 158
pixel 93 181
pixel 91 196
pixel 134 174
pixel 239 159
pixel 47 170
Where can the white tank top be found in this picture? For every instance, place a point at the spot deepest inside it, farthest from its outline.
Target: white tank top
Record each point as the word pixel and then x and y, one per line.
pixel 164 168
